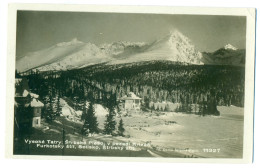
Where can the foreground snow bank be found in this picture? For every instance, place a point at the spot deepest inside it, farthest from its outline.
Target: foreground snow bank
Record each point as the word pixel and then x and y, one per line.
pixel 69 111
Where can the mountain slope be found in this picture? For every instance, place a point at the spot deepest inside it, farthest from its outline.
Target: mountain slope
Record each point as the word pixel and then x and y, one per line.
pixel 173 47
pixel 230 47
pixel 88 54
pixel 74 54
pixel 225 57
pixel 47 56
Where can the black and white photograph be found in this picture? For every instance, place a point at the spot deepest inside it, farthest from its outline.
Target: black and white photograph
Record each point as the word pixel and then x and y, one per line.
pixel 129 84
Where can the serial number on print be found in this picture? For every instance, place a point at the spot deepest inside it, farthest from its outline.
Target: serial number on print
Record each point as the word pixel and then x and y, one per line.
pixel 211 150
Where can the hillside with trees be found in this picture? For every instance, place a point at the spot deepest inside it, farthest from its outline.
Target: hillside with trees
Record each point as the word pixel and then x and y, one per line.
pixel 155 81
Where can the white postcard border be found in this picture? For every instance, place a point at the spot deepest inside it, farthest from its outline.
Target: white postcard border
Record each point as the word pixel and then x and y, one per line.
pixel 249 75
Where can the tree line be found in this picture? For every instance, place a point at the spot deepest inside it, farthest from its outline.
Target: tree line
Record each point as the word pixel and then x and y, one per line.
pixel 52 88
pixel 156 81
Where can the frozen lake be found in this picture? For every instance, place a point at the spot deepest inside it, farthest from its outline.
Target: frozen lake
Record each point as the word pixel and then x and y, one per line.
pixel 223 133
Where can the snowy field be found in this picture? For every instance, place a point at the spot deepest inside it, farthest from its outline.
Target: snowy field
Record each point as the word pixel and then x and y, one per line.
pixel 170 130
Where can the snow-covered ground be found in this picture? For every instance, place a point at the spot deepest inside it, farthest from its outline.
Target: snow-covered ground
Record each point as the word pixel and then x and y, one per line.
pixel 169 130
pixel 75 115
pixel 224 133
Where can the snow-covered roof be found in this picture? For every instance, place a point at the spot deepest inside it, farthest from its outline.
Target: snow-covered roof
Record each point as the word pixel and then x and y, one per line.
pixel 15 104
pixel 130 96
pixel 27 104
pixel 18 80
pixel 36 103
pixel 25 93
pixel 34 95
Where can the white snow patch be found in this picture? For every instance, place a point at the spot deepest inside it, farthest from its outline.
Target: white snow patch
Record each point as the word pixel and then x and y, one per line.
pixel 72 42
pixel 75 115
pixel 78 112
pixel 57 121
pixel 100 110
pixel 66 111
pixel 229 46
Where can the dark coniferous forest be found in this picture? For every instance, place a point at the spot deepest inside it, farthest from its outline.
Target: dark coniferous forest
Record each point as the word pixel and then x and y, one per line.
pixel 206 86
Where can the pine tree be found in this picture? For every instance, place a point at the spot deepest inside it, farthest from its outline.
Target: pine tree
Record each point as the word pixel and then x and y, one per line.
pixel 75 102
pixel 161 108
pixel 212 107
pixel 195 108
pixel 189 108
pixel 58 106
pixel 204 108
pixel 110 123
pixel 49 114
pixel 84 111
pixel 90 121
pixel 153 107
pixel 121 128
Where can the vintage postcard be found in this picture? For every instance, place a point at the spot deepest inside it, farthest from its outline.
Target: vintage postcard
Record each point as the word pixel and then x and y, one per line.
pixel 130 83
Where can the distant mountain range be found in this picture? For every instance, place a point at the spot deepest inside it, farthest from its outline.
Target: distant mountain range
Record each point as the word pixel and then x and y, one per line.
pixel 225 56
pixel 173 47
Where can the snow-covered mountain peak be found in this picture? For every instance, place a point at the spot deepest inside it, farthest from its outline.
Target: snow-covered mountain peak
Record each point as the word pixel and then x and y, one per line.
pixel 74 41
pixel 182 48
pixel 75 54
pixel 120 47
pixel 176 33
pixel 172 47
pixel 230 47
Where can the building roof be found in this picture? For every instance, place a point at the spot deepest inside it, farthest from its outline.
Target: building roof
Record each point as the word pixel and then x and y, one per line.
pixel 21 84
pixel 36 103
pixel 15 104
pixel 24 96
pixel 130 96
pixel 34 95
pixel 18 81
pixel 25 93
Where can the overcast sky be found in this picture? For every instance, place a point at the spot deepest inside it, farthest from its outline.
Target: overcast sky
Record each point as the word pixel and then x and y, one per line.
pixel 38 30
